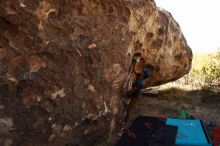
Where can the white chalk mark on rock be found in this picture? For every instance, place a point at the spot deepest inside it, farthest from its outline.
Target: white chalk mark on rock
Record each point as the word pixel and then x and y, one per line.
pixel 22 5
pixel 60 93
pixel 106 108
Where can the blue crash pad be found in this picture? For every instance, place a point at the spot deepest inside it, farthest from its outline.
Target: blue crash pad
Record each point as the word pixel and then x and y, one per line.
pixel 190 132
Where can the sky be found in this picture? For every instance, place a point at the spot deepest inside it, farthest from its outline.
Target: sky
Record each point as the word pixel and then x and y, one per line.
pixel 199 21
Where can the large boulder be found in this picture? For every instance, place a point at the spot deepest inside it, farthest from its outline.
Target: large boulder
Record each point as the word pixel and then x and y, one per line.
pixel 64 64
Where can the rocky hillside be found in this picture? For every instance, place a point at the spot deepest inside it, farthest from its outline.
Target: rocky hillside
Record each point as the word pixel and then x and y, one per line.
pixel 64 64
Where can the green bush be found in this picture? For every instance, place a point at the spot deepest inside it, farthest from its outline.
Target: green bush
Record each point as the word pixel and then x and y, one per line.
pixel 211 71
pixel 205 70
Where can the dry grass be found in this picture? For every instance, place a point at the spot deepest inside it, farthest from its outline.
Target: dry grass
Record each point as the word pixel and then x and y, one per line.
pixel 175 94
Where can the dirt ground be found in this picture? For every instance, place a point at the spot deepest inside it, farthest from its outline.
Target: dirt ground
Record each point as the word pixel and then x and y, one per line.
pixel 159 106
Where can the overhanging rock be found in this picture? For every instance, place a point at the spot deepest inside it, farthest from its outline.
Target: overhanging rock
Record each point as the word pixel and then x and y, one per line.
pixel 64 63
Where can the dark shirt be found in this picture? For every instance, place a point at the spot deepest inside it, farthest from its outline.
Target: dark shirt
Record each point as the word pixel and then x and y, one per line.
pixel 139 83
pixel 146 73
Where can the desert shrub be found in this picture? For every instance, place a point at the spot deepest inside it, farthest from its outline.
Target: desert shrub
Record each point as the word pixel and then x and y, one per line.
pixel 211 71
pixel 205 71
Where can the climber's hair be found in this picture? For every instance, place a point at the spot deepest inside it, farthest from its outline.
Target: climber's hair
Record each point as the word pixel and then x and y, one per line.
pixel 135 56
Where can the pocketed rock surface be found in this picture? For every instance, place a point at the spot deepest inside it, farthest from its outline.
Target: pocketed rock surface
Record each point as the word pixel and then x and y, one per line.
pixel 64 63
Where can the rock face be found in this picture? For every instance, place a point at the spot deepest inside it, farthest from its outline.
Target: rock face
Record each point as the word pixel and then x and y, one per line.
pixel 64 64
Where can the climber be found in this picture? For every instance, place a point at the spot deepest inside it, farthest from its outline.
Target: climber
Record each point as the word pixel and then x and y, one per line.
pixel 140 72
pixel 139 83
